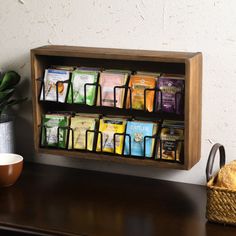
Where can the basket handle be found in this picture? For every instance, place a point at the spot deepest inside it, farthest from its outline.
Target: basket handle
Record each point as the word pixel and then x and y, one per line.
pixel 211 159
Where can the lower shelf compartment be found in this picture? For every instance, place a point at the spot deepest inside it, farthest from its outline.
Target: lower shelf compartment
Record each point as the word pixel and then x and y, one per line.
pixel 110 158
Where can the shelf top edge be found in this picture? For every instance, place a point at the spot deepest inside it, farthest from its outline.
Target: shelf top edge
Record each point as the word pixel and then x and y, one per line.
pixel 114 53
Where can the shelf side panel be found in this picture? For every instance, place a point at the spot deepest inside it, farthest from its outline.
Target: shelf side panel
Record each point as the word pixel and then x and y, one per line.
pixel 37 71
pixel 193 110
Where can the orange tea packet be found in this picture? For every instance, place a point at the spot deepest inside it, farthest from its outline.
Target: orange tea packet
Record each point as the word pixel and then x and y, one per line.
pixel 138 83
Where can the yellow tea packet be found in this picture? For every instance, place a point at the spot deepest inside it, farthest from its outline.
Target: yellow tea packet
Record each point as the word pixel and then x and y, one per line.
pixel 80 125
pixel 108 127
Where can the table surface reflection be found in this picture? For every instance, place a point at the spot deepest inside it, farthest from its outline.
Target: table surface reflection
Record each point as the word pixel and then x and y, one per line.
pixel 50 200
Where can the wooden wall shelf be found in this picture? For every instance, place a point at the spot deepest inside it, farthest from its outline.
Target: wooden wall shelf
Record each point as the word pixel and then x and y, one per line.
pixel 188 64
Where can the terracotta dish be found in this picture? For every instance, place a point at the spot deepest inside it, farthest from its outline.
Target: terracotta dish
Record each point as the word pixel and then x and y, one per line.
pixel 10 168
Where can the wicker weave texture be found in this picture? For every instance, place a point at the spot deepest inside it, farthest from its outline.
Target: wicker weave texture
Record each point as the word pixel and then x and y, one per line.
pixel 221 205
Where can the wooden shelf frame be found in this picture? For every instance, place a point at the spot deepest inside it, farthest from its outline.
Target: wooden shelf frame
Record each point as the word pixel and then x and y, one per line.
pixel 189 64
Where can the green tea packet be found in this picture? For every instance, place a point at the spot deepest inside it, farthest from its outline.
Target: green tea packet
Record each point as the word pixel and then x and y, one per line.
pixel 52 136
pixel 77 88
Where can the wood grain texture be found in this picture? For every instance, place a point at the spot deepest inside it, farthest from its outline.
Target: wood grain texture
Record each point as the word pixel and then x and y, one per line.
pixel 193 108
pixel 36 108
pixel 123 54
pixel 49 200
pixel 111 158
pixel 37 72
pixel 189 64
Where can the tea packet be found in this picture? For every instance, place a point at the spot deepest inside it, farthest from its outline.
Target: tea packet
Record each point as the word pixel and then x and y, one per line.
pixel 172 89
pixel 80 78
pixel 170 144
pixel 80 124
pixel 134 143
pixel 138 83
pixel 54 130
pixel 54 87
pixel 108 127
pixel 108 80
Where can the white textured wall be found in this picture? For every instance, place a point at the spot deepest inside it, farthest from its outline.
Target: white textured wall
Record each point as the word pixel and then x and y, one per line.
pixel 184 25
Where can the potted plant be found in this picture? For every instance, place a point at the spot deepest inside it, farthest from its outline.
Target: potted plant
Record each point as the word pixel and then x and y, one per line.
pixel 8 84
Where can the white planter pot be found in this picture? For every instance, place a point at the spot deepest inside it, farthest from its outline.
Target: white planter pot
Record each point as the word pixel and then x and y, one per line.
pixel 6 134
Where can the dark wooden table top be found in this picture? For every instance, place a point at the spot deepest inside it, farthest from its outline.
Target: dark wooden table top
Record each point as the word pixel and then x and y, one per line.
pixel 49 200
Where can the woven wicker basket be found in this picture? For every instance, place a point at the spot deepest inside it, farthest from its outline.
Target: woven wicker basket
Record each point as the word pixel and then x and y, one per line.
pixel 221 202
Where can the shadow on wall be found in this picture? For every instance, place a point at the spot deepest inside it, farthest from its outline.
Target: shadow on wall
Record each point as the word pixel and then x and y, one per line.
pixel 23 122
pixel 24 135
pixel 23 112
pixel 109 167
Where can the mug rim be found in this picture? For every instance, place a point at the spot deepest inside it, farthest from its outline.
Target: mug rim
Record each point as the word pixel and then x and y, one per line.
pixel 18 157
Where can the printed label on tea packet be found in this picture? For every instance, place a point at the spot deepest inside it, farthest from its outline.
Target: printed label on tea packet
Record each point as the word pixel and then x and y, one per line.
pixel 53 85
pixel 172 95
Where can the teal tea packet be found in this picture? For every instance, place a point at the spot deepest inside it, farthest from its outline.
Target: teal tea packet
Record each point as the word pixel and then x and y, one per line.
pixel 134 144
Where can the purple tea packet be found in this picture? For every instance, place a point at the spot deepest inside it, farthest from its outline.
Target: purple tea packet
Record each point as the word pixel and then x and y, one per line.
pixel 172 94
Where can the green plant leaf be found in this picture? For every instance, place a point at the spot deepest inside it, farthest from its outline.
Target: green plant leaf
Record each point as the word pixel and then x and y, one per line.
pixel 5 95
pixel 16 101
pixel 10 103
pixel 3 106
pixel 10 80
pixel 1 77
